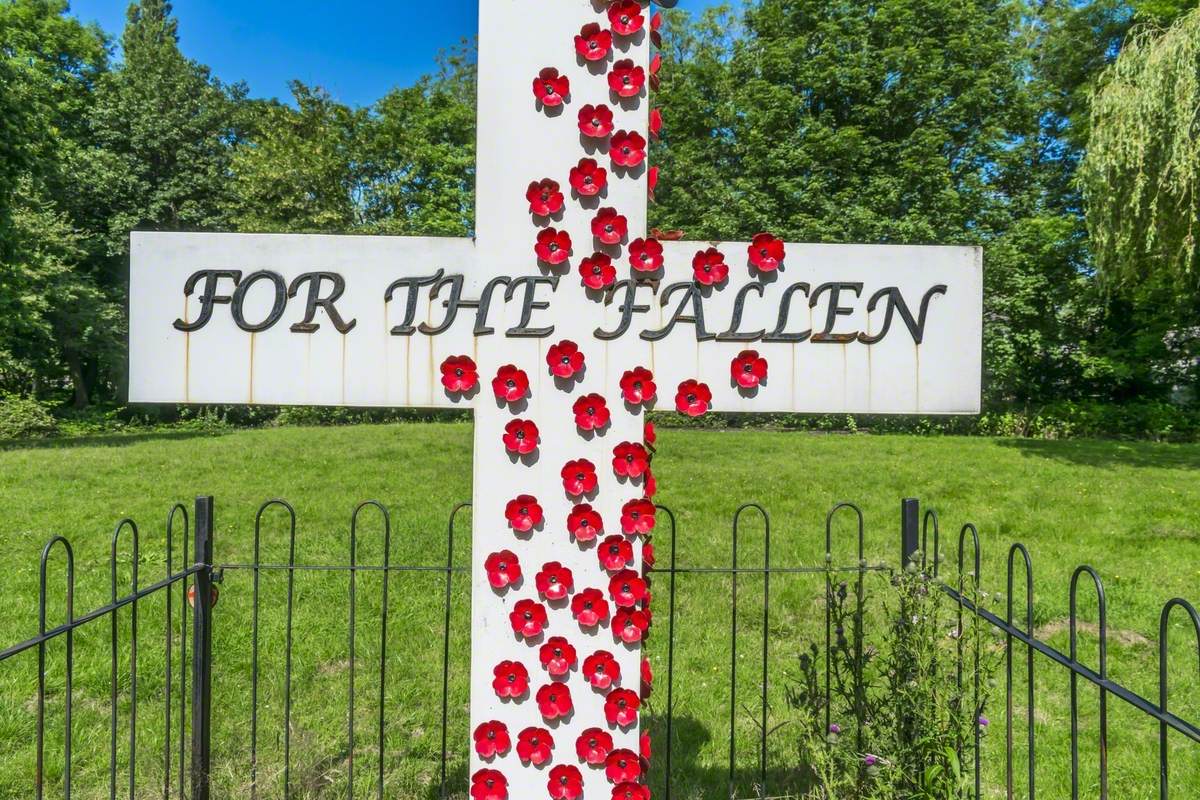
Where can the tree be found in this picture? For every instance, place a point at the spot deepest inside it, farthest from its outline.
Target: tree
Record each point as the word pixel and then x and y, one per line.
pixel 303 168
pixel 1141 177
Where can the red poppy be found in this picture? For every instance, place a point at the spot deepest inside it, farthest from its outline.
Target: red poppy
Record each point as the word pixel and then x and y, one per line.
pixel 649 484
pixel 601 669
pixel 597 271
pixel 593 746
pixel 615 553
pixel 630 459
pixel 655 63
pixel 625 79
pixel 502 569
pixel 692 398
pixel 510 679
pixel 621 707
pixel 565 783
pixel 637 386
pixel 554 581
pixel 591 412
pixel 595 122
pixel 647 678
pixel 656 21
pixel 523 513
pixel 626 16
pixel 651 181
pixel 628 149
pixel 528 618
pixel 557 656
pixel 489 784
pixel 564 359
pixel 631 791
pixel 545 197
pixel 648 555
pixel 645 255
pixel 534 746
pixel 766 252
pixel 655 123
pixel 608 226
pixel 709 267
pixel 626 589
pixel 637 517
pixel 589 607
pixel 459 374
pixel 587 177
pixel 622 766
pixel 491 739
pixel 510 384
pixel 649 436
pixel 630 625
pixel 554 701
pixel 584 523
pixel 593 43
pixel 748 369
pixel 645 746
pixel 520 436
pixel 553 246
pixel 550 88
pixel 579 477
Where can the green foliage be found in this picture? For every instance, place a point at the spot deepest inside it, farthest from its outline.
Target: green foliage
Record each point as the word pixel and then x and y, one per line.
pixel 1141 177
pixel 908 692
pixel 23 418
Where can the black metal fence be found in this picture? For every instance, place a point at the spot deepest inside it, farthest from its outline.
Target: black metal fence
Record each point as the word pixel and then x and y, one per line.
pixel 180 760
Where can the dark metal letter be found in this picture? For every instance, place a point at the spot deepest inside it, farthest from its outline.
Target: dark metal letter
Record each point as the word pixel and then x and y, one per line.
pixel 835 310
pixel 209 297
pixel 314 300
pixel 895 302
pixel 626 308
pixel 735 322
pixel 239 300
pixel 785 309
pixel 528 305
pixel 692 296
pixel 406 328
pixel 452 304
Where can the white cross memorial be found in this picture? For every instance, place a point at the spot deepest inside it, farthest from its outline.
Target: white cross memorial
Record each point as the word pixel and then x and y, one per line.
pixel 558 325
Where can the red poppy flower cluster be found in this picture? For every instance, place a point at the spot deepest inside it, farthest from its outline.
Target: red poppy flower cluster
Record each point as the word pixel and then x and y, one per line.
pixel 748 369
pixel 523 513
pixel 597 271
pixel 630 460
pixel 624 602
pixel 520 436
pixel 510 384
pixel 591 412
pixel 554 581
pixel 565 359
pixel 693 398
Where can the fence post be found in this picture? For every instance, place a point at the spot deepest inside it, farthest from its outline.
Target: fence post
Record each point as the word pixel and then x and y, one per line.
pixel 202 651
pixel 910 524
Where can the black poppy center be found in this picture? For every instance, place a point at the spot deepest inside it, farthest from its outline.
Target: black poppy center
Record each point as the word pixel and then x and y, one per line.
pixel 588 180
pixel 503 566
pixel 691 398
pixel 747 367
pixel 458 372
pixel 625 79
pixel 528 615
pixel 549 89
pixel 763 252
pixel 512 677
pixel 524 511
pixel 608 228
pixel 565 359
pixel 592 44
pixel 595 122
pixel 595 271
pixel 491 734
pixel 553 247
pixel 520 434
pixel 510 383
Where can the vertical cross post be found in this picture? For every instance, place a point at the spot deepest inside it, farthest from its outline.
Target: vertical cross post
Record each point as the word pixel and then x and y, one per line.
pixel 202 650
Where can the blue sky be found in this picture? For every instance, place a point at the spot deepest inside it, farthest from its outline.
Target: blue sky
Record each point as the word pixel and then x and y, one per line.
pixel 356 56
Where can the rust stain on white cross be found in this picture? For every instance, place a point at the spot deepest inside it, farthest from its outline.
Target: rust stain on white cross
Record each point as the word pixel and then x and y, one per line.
pixel 394 321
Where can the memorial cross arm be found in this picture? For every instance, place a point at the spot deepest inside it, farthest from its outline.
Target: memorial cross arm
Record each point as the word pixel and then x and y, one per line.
pixel 559 325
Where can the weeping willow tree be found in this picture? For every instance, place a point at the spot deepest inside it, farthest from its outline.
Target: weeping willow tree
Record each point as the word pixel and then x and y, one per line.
pixel 1141 174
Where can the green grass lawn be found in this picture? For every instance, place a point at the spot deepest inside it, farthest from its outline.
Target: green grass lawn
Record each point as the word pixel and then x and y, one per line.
pixel 1132 510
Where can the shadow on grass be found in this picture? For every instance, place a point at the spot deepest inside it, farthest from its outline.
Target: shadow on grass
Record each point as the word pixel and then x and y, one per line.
pixel 105 440
pixel 710 780
pixel 1104 453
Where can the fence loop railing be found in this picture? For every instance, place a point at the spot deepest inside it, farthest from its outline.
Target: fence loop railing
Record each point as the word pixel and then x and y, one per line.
pixel 1017 627
pixel 1103 672
pixel 1163 694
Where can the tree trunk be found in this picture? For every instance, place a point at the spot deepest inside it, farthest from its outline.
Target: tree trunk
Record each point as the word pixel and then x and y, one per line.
pixel 75 365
